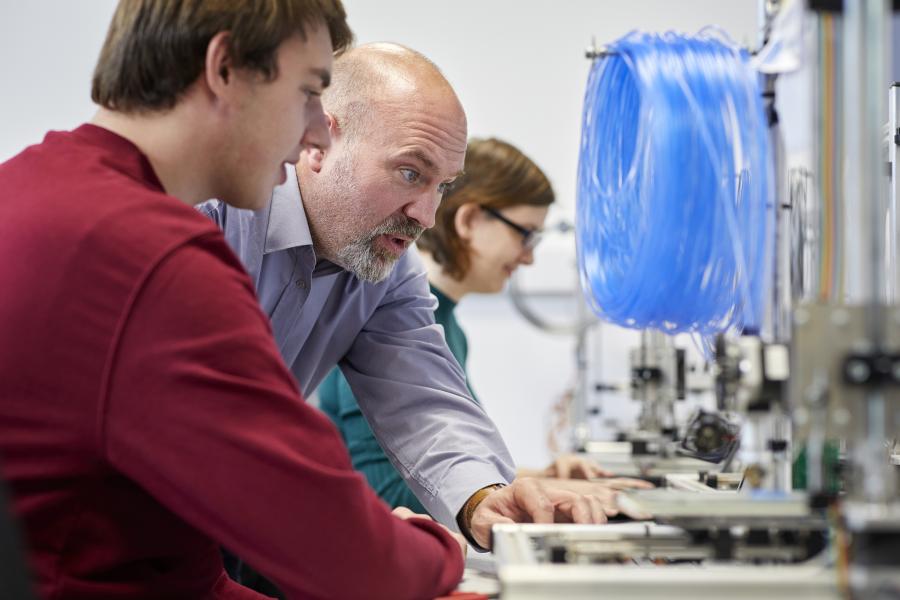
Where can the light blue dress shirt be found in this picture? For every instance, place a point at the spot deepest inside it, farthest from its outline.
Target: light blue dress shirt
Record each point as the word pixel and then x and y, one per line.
pixel 384 338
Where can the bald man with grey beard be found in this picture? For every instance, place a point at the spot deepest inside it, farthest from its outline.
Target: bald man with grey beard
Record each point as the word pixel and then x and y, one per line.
pixel 329 259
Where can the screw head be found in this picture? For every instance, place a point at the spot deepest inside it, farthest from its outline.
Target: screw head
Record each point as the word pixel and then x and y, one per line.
pixel 858 370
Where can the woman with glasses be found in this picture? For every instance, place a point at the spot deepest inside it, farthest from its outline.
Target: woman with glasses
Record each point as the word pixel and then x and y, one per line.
pixel 485 228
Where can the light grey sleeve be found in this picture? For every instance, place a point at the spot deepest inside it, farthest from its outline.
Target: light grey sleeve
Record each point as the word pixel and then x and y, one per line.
pixel 414 395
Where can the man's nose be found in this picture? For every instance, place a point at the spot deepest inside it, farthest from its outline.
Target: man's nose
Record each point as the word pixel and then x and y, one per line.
pixel 316 135
pixel 423 208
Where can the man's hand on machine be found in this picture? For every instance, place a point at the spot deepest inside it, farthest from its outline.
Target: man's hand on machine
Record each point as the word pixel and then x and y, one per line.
pixel 529 500
pixel 605 490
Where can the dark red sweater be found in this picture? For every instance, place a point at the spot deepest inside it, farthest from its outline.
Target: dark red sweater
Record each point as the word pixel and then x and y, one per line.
pixel 146 416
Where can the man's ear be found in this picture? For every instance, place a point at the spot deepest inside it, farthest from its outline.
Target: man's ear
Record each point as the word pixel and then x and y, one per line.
pixel 465 218
pixel 218 71
pixel 316 156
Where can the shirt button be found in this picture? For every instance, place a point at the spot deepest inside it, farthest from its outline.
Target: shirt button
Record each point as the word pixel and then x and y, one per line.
pixel 301 284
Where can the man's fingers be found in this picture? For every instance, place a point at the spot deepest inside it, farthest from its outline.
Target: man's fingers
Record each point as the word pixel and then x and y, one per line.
pixel 585 468
pixel 581 508
pixel 589 469
pixel 405 513
pixel 628 483
pixel 582 512
pixel 402 512
pixel 611 505
pixel 530 496
pixel 579 469
pixel 489 513
pixel 599 510
pixel 594 470
pixel 575 466
pixel 555 503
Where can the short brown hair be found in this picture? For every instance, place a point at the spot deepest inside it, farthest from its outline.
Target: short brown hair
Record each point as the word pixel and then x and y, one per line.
pixel 155 49
pixel 497 175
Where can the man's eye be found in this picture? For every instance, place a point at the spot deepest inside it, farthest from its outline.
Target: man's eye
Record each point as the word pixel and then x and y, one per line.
pixel 446 187
pixel 409 175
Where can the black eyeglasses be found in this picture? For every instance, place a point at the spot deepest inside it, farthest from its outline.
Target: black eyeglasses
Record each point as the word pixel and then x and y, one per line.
pixel 530 237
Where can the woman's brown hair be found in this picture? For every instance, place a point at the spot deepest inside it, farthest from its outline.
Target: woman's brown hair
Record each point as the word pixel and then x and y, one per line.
pixel 496 175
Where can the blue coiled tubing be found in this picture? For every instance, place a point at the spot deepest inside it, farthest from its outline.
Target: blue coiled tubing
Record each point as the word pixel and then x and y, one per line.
pixel 674 178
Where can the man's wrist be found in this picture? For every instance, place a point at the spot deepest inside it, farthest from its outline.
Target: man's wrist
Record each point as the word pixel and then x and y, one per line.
pixel 464 518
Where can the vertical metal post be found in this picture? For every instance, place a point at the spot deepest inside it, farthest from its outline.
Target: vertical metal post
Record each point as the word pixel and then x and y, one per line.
pixel 866 46
pixel 578 411
pixel 890 230
pixel 779 314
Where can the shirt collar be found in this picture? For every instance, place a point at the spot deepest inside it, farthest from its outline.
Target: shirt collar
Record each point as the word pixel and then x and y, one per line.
pixel 287 226
pixel 444 301
pixel 122 153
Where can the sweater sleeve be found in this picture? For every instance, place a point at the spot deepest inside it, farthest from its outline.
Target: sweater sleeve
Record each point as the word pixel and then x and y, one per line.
pixel 202 413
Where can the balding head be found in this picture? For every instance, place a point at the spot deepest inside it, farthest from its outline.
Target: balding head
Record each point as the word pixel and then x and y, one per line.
pixel 398 142
pixel 373 76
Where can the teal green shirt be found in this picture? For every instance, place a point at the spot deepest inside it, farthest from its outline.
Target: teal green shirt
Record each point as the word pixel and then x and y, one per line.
pixel 337 401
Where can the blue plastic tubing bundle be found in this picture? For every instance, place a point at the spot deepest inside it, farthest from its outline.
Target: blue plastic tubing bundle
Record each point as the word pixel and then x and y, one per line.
pixel 674 179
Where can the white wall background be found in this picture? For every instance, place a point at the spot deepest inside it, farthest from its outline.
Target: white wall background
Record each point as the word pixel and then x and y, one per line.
pixel 48 50
pixel 519 68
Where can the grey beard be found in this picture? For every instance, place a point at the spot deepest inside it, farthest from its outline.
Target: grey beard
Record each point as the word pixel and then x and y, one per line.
pixel 369 263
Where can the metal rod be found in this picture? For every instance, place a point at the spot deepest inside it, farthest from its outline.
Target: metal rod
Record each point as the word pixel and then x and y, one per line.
pixel 779 314
pixel 866 45
pixel 891 232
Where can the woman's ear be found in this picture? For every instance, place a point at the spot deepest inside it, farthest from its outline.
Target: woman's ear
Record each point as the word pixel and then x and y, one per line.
pixel 465 219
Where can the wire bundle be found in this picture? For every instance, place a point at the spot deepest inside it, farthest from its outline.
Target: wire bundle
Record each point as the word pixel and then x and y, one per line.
pixel 673 182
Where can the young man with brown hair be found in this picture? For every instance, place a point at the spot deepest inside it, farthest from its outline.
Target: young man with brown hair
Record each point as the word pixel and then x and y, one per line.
pixel 146 416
